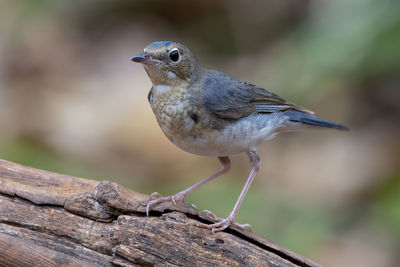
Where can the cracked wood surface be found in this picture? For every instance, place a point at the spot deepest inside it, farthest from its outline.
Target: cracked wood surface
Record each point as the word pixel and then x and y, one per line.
pixel 50 219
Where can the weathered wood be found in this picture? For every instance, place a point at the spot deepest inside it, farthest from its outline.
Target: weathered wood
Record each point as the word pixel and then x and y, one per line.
pixel 49 219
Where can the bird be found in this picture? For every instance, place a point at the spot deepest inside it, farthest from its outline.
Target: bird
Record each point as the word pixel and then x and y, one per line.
pixel 210 113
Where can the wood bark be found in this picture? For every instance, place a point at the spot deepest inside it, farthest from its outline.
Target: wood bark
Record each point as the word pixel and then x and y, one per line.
pixel 50 219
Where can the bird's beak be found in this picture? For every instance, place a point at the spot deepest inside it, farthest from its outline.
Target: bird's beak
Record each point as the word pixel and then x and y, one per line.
pixel 145 59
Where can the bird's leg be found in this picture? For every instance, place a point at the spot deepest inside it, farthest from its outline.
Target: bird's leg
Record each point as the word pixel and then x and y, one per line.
pixel 225 166
pixel 223 224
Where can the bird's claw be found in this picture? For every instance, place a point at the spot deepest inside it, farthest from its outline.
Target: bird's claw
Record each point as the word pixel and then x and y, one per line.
pixel 243 227
pixel 212 215
pixel 155 195
pixel 173 200
pixel 219 226
pixel 227 222
pixel 156 198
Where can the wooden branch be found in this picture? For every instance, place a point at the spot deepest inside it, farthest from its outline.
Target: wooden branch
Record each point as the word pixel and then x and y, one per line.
pixel 52 219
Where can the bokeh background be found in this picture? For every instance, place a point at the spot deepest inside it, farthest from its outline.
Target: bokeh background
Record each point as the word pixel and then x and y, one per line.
pixel 72 102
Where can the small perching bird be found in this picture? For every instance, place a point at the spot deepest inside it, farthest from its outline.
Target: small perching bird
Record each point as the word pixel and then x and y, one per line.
pixel 210 113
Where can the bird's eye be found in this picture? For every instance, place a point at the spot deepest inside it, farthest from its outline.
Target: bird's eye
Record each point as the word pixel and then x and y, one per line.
pixel 174 55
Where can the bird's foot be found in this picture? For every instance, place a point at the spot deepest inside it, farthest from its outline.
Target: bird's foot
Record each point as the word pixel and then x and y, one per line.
pixel 156 198
pixel 219 226
pixel 222 224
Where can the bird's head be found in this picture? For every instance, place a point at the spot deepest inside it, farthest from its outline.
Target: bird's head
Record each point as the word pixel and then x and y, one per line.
pixel 168 63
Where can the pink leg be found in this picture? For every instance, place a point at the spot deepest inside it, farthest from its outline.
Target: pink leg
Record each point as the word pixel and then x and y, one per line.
pixel 223 224
pixel 225 166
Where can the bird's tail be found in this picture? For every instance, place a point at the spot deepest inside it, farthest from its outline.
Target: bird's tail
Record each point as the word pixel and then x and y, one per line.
pixel 297 116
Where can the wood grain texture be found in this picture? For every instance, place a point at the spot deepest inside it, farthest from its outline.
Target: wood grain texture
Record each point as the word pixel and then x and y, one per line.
pixel 49 219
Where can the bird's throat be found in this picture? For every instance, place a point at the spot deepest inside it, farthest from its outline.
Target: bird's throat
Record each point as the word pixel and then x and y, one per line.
pixel 156 75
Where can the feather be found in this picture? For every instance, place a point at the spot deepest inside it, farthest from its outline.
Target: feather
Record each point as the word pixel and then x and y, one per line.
pixel 230 98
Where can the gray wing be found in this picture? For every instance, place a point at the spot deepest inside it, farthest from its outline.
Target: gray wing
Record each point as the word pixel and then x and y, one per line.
pixel 230 98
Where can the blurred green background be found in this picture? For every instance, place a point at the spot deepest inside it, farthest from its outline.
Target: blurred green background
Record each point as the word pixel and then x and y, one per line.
pixel 72 102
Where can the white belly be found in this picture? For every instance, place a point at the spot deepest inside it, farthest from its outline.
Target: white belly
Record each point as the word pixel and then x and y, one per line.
pixel 237 137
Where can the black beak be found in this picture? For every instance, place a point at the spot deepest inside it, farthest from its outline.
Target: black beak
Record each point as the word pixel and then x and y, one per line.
pixel 141 58
pixel 146 59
